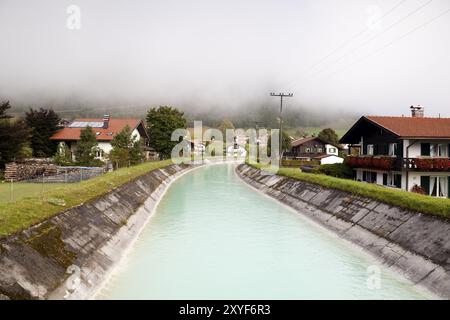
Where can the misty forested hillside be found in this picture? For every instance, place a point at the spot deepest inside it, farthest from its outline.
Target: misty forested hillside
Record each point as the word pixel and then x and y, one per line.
pixel 297 120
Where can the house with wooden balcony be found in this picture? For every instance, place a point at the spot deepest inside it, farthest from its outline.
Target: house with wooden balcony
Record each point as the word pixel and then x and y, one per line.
pixel 410 153
pixel 314 148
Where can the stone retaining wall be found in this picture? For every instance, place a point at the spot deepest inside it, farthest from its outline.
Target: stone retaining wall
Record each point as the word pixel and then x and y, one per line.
pixel 415 244
pixel 70 255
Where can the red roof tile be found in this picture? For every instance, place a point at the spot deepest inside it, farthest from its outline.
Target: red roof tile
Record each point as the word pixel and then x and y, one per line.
pixel 408 127
pixel 115 126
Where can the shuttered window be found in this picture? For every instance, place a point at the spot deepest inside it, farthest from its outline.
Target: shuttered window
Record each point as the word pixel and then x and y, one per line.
pixel 425 149
pixel 425 184
pixel 398 181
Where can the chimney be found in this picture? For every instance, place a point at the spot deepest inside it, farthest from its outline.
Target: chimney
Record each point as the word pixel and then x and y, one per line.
pixel 106 121
pixel 417 111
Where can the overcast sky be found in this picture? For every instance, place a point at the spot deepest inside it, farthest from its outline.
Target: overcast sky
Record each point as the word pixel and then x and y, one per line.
pixel 373 57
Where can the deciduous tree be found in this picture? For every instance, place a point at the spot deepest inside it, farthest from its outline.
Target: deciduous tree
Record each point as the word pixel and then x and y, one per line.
pixel 161 122
pixel 127 149
pixel 329 135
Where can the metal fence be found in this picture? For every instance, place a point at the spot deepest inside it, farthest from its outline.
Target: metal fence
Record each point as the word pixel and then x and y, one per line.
pixel 12 191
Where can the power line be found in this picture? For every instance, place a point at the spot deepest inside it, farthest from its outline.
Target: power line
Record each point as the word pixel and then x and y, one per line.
pixel 416 10
pixel 410 14
pixel 349 40
pixel 426 23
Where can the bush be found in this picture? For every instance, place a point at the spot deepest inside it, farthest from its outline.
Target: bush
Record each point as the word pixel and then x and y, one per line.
pixel 63 156
pixel 299 163
pixel 338 170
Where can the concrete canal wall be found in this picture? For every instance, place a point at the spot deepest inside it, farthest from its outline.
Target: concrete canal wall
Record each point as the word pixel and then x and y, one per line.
pixel 70 255
pixel 414 244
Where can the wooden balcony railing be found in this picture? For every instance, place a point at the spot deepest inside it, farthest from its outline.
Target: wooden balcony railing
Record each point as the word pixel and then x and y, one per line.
pixel 426 164
pixel 372 162
pixel 393 163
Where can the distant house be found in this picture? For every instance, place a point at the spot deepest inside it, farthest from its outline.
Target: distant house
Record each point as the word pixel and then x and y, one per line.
pixel 409 153
pixel 314 148
pixel 105 130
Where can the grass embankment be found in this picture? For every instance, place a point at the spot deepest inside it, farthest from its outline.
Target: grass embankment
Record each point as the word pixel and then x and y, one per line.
pixel 31 210
pixel 407 200
pixel 22 190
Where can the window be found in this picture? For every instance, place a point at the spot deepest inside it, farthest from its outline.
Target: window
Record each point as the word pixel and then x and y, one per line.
pixel 392 180
pixel 435 186
pixel 319 150
pixel 370 177
pixel 434 150
pixel 439 150
pixel 332 150
pixel 425 149
pixel 308 150
pixel 439 187
pixel 393 148
pixel 370 149
pixel 100 153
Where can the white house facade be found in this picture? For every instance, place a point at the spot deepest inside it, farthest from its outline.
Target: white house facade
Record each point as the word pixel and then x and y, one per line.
pixel 409 153
pixel 105 130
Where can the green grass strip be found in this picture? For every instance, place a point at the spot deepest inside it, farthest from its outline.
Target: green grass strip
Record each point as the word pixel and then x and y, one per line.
pixel 399 198
pixel 28 211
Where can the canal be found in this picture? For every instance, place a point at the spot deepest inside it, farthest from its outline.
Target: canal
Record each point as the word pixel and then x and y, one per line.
pixel 213 237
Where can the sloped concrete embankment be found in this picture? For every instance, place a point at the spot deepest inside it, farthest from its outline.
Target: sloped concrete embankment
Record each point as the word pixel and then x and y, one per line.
pixel 415 244
pixel 70 255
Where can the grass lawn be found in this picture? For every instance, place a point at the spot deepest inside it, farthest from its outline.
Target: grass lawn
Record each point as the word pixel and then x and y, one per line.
pixel 30 210
pixel 22 190
pixel 399 198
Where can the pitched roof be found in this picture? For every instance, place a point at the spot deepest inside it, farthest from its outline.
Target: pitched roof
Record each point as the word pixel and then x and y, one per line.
pixel 115 126
pixel 299 142
pixel 409 127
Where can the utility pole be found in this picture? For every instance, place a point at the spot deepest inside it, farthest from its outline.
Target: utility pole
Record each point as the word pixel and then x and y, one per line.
pixel 281 95
pixel 257 141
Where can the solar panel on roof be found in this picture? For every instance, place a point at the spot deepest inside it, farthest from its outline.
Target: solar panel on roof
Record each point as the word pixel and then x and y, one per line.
pixel 84 124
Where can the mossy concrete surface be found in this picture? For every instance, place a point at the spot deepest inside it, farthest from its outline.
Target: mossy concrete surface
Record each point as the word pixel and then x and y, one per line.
pixel 69 254
pixel 412 243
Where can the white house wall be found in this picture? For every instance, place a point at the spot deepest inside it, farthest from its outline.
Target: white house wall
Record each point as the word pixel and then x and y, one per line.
pixel 331 160
pixel 329 148
pixel 105 146
pixel 415 149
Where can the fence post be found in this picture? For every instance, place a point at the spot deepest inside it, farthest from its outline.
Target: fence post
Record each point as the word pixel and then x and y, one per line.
pixel 11 196
pixel 43 183
pixel 81 174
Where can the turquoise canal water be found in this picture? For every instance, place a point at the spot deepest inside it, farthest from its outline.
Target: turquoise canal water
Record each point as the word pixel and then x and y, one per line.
pixel 214 237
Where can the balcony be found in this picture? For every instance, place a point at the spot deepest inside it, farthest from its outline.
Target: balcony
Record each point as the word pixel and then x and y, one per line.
pixel 372 162
pixel 426 164
pixel 387 163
